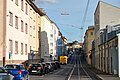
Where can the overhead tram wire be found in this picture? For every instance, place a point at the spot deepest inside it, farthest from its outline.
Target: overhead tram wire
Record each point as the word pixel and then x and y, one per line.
pixel 84 19
pixel 71 25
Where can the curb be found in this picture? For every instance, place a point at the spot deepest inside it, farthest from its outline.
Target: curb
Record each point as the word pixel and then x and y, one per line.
pixel 99 77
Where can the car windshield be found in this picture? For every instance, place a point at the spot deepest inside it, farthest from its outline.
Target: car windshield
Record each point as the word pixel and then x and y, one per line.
pixel 35 65
pixel 2 70
pixel 12 67
pixel 48 63
pixel 9 66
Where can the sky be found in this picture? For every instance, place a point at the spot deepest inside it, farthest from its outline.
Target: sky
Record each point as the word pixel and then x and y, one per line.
pixel 71 22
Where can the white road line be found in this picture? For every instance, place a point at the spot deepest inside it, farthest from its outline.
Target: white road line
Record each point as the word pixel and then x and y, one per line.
pixel 85 71
pixel 72 69
pixel 71 72
pixel 78 70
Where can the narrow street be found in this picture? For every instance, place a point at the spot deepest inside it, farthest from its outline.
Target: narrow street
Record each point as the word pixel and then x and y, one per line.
pixel 75 70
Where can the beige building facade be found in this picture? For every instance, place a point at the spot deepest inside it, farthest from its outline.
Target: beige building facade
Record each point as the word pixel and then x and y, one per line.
pixel 35 32
pixel 89 37
pixel 15 22
pixel 20 31
pixel 2 24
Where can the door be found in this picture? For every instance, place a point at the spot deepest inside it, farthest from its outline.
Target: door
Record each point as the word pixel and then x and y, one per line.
pixel 116 60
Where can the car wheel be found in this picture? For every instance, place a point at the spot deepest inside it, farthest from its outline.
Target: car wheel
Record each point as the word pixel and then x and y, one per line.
pixel 27 78
pixel 23 78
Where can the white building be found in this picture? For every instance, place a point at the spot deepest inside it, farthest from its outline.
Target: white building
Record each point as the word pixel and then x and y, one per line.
pixel 55 33
pixel 49 34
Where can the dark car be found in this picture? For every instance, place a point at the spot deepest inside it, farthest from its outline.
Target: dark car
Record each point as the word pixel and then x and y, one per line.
pixel 54 65
pixel 4 75
pixel 18 71
pixel 50 67
pixel 45 68
pixel 57 64
pixel 35 69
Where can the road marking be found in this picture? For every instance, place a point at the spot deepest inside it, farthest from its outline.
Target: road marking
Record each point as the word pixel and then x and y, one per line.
pixel 97 75
pixel 78 70
pixel 85 71
pixel 71 72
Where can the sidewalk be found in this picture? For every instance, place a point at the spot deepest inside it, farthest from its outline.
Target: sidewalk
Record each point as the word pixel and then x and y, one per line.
pixel 104 76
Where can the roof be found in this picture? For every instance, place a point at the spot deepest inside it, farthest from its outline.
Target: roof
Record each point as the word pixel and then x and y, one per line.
pixel 39 11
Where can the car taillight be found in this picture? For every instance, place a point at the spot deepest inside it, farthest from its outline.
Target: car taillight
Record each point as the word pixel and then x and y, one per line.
pixel 39 67
pixel 20 72
pixel 29 67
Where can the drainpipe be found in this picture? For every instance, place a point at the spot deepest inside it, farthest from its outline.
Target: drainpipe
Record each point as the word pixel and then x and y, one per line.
pixel 118 54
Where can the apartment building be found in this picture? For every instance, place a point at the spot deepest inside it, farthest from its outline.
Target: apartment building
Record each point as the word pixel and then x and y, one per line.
pixel 49 32
pixel 14 31
pixel 105 14
pixel 53 41
pixel 2 30
pixel 20 31
pixel 34 32
pixel 89 37
pixel 45 36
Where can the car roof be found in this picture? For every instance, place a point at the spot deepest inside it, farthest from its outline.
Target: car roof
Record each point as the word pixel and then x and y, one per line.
pixel 2 67
pixel 15 64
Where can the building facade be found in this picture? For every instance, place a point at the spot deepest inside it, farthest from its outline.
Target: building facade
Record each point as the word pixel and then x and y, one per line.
pixel 16 23
pixel 49 34
pixel 109 50
pixel 89 37
pixel 54 32
pixel 20 31
pixel 35 32
pixel 2 31
pixel 105 14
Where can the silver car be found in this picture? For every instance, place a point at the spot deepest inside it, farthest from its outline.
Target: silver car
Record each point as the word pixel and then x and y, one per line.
pixel 4 75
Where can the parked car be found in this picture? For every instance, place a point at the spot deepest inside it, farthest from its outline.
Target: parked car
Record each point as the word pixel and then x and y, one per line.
pixel 50 67
pixel 4 75
pixel 45 68
pixel 35 68
pixel 54 65
pixel 18 71
pixel 58 64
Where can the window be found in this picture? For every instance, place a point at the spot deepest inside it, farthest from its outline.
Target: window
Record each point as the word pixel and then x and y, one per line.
pixel 26 8
pixel 11 19
pixel 16 22
pixel 26 28
pixel 33 27
pixel 22 5
pixel 21 48
pixel 16 47
pixel 26 49
pixel 51 51
pixel 51 35
pixel 51 44
pixel 10 45
pixel 16 2
pixel 91 33
pixel 22 26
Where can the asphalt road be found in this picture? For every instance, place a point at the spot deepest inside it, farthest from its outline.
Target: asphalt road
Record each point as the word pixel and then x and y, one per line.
pixel 75 70
pixel 59 74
